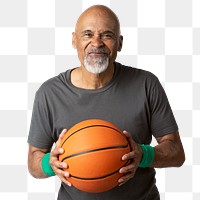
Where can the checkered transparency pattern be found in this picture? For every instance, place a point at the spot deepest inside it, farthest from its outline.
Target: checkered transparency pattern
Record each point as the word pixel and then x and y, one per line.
pixel 161 36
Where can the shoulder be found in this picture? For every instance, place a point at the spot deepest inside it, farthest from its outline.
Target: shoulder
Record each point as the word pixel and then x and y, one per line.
pixel 51 85
pixel 136 74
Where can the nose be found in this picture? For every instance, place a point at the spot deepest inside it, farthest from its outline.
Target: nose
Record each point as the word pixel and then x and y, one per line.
pixel 97 42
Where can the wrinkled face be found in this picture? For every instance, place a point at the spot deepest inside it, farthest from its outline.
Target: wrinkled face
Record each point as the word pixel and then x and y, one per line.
pixel 97 40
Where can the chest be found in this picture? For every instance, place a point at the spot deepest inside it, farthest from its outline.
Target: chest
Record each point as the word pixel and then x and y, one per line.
pixel 127 110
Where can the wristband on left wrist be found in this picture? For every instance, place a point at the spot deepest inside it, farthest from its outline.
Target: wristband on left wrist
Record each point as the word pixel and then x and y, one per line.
pixel 147 156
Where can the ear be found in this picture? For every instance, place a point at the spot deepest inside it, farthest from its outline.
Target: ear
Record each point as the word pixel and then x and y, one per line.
pixel 74 42
pixel 120 43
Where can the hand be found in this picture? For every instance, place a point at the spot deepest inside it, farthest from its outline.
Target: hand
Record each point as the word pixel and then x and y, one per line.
pixel 134 156
pixel 57 166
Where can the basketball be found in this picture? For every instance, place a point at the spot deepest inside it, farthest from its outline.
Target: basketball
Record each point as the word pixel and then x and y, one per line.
pixel 93 150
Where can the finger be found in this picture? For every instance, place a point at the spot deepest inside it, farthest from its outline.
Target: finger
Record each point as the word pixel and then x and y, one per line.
pixel 63 175
pixel 128 156
pixel 128 135
pixel 130 139
pixel 64 180
pixel 60 172
pixel 128 169
pixel 56 152
pixel 59 169
pixel 134 157
pixel 62 134
pixel 125 178
pixel 58 165
pixel 55 163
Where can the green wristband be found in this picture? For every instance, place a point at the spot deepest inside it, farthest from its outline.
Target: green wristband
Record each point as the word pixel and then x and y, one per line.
pixel 46 167
pixel 147 157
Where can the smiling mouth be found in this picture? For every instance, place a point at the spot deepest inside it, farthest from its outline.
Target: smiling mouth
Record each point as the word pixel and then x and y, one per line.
pixel 95 54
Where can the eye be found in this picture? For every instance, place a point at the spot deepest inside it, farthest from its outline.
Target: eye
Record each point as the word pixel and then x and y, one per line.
pixel 87 35
pixel 106 35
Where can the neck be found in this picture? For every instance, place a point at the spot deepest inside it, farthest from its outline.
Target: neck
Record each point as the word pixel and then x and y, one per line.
pixel 81 78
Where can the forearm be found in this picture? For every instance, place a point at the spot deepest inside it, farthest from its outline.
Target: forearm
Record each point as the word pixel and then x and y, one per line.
pixel 34 165
pixel 168 154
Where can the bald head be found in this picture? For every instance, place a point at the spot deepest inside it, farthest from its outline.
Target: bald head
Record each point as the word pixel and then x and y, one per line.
pixel 98 12
pixel 97 37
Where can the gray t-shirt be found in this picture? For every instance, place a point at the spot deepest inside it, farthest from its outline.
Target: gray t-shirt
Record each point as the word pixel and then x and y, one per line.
pixel 134 100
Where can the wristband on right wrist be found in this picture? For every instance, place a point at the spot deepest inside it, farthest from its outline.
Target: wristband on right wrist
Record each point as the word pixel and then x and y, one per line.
pixel 147 155
pixel 46 167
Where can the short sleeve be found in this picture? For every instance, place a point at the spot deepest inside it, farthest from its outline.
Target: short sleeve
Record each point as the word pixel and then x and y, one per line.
pixel 40 133
pixel 162 118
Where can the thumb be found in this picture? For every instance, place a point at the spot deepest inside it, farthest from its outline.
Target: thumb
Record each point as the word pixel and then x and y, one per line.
pixel 61 136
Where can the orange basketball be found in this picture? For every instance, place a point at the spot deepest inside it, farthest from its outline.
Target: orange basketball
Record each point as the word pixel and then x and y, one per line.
pixel 93 152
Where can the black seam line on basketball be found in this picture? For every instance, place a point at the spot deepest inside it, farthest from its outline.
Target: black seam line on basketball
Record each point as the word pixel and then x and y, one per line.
pixel 100 177
pixel 94 150
pixel 89 127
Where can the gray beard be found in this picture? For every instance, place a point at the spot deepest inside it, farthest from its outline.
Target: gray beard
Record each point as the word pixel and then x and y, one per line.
pixel 96 65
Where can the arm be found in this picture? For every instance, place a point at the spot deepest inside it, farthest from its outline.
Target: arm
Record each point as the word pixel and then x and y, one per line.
pixel 168 153
pixel 35 156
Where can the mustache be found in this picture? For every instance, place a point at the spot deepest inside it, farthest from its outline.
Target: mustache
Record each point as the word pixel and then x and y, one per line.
pixel 97 50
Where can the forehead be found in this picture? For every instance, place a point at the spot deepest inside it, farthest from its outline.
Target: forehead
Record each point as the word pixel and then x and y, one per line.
pixel 97 20
pixel 97 26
